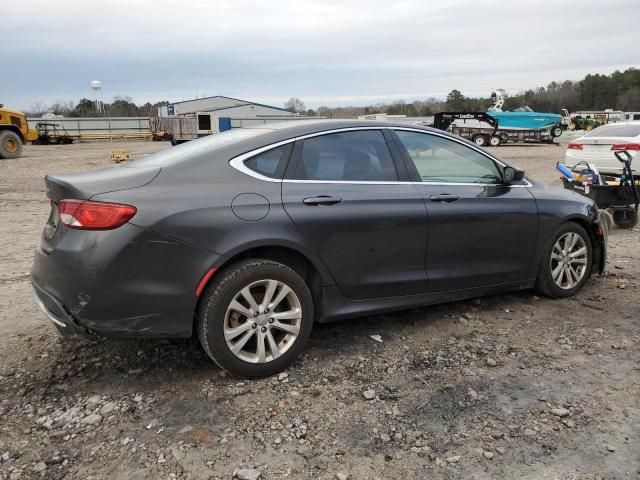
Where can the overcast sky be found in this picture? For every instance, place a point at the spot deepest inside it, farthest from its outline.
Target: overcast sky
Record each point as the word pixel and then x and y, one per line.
pixel 326 52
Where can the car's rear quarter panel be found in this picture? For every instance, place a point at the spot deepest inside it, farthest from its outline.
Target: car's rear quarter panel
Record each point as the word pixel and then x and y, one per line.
pixel 124 282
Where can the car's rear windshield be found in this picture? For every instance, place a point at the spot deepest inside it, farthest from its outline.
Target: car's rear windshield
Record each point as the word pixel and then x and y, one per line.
pixel 613 130
pixel 192 148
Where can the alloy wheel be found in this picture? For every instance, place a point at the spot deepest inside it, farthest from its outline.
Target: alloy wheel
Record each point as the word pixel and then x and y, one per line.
pixel 262 321
pixel 569 260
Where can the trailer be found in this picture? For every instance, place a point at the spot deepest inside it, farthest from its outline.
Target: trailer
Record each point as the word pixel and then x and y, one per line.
pixel 182 129
pixel 483 129
pixel 53 134
pixel 617 193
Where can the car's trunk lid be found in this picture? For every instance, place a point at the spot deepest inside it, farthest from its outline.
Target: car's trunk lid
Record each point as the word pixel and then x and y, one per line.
pixel 597 151
pixel 83 186
pixel 598 144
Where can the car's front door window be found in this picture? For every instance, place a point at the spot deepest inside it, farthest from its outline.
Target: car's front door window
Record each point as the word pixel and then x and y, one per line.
pixel 440 160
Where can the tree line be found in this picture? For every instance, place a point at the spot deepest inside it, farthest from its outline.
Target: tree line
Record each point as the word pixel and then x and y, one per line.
pixel 618 90
pixel 118 107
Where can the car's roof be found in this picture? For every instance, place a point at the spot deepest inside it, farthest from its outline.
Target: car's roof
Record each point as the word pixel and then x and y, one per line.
pixel 305 127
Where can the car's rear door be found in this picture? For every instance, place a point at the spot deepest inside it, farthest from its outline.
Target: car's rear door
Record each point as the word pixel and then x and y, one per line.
pixel 481 231
pixel 349 194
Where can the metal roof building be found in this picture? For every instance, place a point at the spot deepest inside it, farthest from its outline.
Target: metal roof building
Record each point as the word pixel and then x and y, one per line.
pixel 223 107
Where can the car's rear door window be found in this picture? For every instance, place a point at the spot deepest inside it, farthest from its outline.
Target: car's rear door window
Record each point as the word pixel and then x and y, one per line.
pixel 440 160
pixel 361 155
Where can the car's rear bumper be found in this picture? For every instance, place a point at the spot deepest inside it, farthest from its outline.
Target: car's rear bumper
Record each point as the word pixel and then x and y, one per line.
pixel 65 324
pixel 128 282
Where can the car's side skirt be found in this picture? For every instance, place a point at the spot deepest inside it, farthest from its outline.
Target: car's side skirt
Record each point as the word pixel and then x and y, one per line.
pixel 335 306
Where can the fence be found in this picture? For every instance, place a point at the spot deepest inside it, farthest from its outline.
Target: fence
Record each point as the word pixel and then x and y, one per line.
pixel 99 126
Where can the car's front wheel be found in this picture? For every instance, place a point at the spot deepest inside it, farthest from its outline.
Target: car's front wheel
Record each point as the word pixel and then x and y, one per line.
pixel 255 318
pixel 566 262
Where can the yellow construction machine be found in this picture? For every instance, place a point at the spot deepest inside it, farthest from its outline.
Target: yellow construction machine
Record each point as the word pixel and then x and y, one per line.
pixel 14 132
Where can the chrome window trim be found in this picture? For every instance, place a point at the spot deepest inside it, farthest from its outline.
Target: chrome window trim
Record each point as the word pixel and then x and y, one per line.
pixel 238 162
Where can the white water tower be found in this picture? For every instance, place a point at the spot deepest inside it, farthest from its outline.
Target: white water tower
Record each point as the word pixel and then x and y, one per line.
pixel 96 86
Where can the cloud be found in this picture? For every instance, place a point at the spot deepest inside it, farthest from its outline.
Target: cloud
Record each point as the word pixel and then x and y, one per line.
pixel 325 52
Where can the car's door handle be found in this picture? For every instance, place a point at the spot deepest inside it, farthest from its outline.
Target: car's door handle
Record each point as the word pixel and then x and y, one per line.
pixel 322 200
pixel 444 197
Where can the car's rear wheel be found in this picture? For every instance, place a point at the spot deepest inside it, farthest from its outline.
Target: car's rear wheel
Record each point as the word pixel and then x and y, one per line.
pixel 566 262
pixel 255 318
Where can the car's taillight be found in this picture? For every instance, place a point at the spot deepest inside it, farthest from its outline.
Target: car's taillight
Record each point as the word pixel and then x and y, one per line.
pixel 88 215
pixel 575 146
pixel 627 146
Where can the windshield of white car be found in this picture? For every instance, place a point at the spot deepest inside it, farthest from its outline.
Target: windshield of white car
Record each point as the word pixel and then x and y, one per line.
pixel 613 130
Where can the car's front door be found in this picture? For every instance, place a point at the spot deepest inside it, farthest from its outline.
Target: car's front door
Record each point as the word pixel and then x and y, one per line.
pixel 342 191
pixel 481 230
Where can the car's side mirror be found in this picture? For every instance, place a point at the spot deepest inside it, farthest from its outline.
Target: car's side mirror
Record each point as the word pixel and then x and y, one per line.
pixel 510 175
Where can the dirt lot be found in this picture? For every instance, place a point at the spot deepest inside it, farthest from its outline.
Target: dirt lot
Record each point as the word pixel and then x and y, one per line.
pixel 504 387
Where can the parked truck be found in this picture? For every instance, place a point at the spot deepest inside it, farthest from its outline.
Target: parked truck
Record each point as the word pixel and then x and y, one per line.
pixel 14 132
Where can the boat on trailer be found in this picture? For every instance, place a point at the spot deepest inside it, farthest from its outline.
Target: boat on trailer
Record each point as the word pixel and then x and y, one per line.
pixel 524 118
pixel 495 126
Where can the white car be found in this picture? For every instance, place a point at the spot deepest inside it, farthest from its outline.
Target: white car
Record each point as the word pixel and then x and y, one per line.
pixel 598 147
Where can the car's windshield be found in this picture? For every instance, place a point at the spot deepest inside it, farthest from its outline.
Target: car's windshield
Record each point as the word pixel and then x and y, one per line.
pixel 613 130
pixel 190 149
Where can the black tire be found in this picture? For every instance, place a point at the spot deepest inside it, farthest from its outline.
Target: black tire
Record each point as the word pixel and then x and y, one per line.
pixel 545 285
pixel 556 131
pixel 10 144
pixel 481 140
pixel 625 218
pixel 213 308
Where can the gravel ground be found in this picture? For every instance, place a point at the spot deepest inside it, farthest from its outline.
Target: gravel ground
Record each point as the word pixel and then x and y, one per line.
pixel 503 387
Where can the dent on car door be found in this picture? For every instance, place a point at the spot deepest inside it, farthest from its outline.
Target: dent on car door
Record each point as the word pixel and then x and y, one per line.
pixel 342 191
pixel 481 231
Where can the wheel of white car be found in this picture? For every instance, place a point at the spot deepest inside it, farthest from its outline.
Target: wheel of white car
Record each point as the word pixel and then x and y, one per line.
pixel 255 318
pixel 566 263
